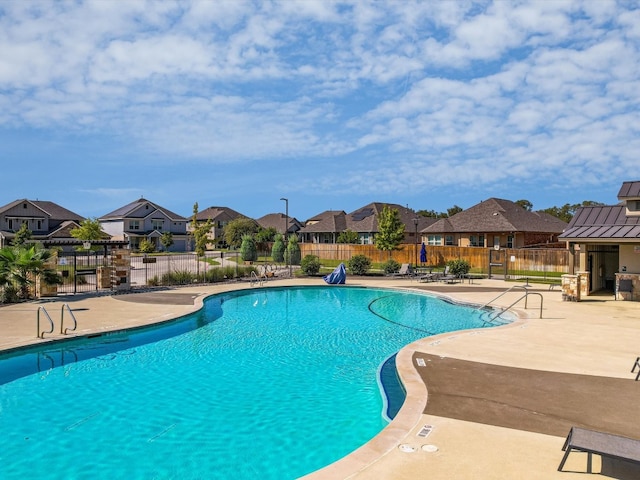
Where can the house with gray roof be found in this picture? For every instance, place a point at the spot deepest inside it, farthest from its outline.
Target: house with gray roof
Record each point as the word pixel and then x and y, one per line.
pixel 46 220
pixel 143 219
pixel 278 221
pixel 327 226
pixel 607 239
pixel 220 217
pixel 495 223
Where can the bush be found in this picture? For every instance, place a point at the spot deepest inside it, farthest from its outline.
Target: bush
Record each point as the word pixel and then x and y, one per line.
pixel 458 267
pixel 359 265
pixel 310 265
pixel 248 250
pixel 277 251
pixel 9 294
pixel 146 246
pixel 292 253
pixel 391 266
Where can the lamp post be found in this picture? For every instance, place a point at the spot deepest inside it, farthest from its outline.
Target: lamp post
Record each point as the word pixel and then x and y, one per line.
pixel 286 228
pixel 415 223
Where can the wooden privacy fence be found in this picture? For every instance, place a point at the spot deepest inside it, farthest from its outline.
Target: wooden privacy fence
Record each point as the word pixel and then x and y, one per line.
pixel 510 263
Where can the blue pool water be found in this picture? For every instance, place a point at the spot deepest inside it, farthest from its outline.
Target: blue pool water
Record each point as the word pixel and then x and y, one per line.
pixel 267 383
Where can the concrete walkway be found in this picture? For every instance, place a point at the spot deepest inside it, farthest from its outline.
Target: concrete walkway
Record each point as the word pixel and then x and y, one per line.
pixel 599 337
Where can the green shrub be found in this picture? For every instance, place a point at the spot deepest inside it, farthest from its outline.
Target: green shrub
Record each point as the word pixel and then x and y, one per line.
pixel 179 277
pixel 292 253
pixel 458 267
pixel 391 266
pixel 8 294
pixel 277 251
pixel 310 265
pixel 146 246
pixel 248 250
pixel 359 264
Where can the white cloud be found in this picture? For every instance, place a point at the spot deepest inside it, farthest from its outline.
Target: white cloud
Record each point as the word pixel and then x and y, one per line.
pixel 439 90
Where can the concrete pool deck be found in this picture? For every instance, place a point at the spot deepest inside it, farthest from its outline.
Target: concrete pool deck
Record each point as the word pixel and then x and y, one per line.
pixel 472 433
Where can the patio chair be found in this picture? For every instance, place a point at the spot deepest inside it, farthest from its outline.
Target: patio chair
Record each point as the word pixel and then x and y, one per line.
pixel 448 277
pixel 405 271
pixel 600 443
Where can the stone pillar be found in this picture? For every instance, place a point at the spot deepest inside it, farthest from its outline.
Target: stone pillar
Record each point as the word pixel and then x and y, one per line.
pixel 121 272
pixel 570 288
pixel 583 285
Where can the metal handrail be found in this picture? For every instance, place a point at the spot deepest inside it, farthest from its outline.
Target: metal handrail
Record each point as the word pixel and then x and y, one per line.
pixel 75 322
pixel 38 333
pixel 503 293
pixel 525 296
pixel 257 279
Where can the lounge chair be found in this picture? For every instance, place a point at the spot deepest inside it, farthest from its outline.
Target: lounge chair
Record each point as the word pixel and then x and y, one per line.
pixel 405 271
pixel 600 443
pixel 448 277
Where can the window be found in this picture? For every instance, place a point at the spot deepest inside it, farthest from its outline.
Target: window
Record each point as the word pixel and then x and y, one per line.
pixel 476 240
pixel 157 224
pixel 434 240
pixel 39 224
pixel 134 224
pixel 448 240
pixel 510 241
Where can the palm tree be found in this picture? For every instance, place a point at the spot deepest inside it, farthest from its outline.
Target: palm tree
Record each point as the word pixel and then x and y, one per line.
pixel 21 265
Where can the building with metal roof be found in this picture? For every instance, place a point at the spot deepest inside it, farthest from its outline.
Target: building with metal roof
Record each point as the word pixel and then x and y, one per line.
pixel 607 239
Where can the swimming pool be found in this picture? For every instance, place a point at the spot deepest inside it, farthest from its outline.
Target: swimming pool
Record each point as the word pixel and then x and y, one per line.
pixel 263 383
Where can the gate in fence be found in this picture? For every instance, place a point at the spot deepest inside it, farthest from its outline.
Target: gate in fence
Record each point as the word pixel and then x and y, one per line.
pixel 85 271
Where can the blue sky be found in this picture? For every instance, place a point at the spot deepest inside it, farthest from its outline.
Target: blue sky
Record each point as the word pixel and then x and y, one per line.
pixel 332 105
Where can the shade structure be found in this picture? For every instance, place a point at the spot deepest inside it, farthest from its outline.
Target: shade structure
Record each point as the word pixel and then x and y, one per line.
pixel 423 254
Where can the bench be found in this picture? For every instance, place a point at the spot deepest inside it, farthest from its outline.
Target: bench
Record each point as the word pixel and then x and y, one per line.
pixel 600 443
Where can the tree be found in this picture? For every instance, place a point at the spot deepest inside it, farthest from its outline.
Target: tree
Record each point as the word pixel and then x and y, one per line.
pixel 348 236
pixel 277 251
pixel 431 214
pixel 266 235
pixel 453 210
pixel 566 212
pixel 89 229
pixel 236 229
pixel 526 204
pixel 20 265
pixel 248 250
pixel 200 231
pixel 22 235
pixel 390 230
pixel 166 240
pixel 146 246
pixel 292 253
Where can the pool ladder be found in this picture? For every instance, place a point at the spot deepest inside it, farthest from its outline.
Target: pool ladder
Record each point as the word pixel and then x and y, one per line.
pixel 255 279
pixel 525 296
pixel 40 334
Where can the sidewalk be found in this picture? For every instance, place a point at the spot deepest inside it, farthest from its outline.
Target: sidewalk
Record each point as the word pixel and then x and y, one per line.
pixel 599 337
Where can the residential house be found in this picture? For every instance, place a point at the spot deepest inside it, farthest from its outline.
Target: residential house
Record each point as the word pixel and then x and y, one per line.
pixel 327 226
pixel 495 223
pixel 607 240
pixel 143 219
pixel 46 221
pixel 278 221
pixel 220 217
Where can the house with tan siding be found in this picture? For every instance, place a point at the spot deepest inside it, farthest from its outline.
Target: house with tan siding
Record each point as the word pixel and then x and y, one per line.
pixel 46 220
pixel 143 219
